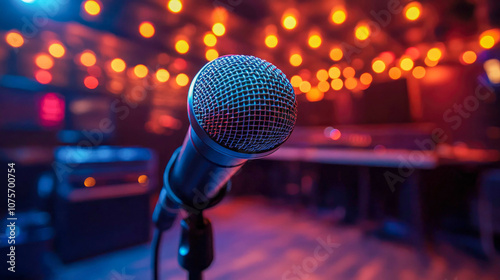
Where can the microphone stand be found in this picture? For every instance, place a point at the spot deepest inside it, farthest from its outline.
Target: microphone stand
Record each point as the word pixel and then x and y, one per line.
pixel 196 249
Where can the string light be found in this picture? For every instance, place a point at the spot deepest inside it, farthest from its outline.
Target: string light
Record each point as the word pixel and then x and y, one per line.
pixel 92 7
pixel 413 10
pixel 348 72
pixel 44 61
pixel 56 50
pixel 295 59
pixel 351 83
pixel 289 22
pixel 295 81
pixel 418 72
pixel 118 65
pixel 338 15
pixel 147 29
pixel 89 182
pixel 162 75
pixel 14 39
pixel 182 46
pixel 322 75
pixel 90 82
pixel 218 29
pixel 434 54
pixel 271 41
pixel 336 54
pixel 87 58
pixel 406 64
pixel 337 84
pixel 362 32
pixel 366 79
pixel 174 6
pixel 468 57
pixel 314 41
pixel 141 71
pixel 378 66
pixel 334 72
pixel 43 77
pixel 305 86
pixel 314 95
pixel 430 63
pixel 182 79
pixel 211 54
pixel 210 40
pixel 323 86
pixel 394 73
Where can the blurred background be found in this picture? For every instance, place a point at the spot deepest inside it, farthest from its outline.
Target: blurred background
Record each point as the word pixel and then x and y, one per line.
pixel 392 171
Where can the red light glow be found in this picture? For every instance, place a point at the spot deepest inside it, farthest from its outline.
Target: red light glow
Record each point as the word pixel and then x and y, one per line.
pixel 51 110
pixel 43 77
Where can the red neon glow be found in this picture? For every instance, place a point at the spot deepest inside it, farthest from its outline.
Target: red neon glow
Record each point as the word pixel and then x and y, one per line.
pixel 51 110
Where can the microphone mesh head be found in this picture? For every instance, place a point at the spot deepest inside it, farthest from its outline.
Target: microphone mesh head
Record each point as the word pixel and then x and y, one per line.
pixel 244 103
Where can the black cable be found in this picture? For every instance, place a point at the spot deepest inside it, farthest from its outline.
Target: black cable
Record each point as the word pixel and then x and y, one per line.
pixel 155 258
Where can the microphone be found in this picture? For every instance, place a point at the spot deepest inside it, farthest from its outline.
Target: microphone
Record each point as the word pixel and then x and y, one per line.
pixel 240 107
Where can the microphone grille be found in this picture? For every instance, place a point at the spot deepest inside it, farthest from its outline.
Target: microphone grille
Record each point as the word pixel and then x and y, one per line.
pixel 244 103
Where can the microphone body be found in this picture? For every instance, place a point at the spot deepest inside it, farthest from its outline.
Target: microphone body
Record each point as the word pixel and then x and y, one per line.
pixel 239 108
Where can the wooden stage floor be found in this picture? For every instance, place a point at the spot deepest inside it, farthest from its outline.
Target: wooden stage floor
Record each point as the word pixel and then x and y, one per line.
pixel 255 239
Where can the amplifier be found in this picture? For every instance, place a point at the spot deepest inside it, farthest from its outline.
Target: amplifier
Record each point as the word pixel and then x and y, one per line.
pixel 102 199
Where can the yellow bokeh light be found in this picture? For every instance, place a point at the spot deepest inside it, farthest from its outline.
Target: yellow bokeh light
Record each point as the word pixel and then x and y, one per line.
pixel 338 16
pixel 89 182
pixel 211 54
pixel 87 58
pixel 141 71
pixel 182 46
pixel 322 75
pixel 334 72
pixel 394 73
pixel 210 40
pixel 378 66
pixel 487 41
pixel 314 95
pixel 271 41
pixel 434 54
pixel 143 179
pixel 413 10
pixel 418 72
pixel 182 79
pixel 174 6
pixel 305 86
pixel 57 50
pixel 44 61
pixel 295 59
pixel 492 68
pixel 162 75
pixel 406 64
pixel 289 22
pixel 92 7
pixel 118 65
pixel 314 41
pixel 147 29
pixel 430 63
pixel 362 32
pixel 14 39
pixel 218 29
pixel 366 79
pixel 336 54
pixel 337 84
pixel 351 83
pixel 348 72
pixel 469 57
pixel 295 81
pixel 323 86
